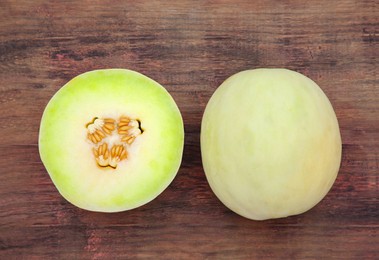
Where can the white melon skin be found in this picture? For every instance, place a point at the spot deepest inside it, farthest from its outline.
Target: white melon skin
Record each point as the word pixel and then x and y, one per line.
pixel 270 143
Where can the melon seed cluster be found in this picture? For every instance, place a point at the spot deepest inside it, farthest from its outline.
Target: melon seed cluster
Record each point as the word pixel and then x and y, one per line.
pixel 107 154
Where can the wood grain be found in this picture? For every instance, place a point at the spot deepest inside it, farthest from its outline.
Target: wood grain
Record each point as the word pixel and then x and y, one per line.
pixel 190 47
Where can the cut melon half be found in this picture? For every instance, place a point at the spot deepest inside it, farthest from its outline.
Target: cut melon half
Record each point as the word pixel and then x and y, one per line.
pixel 111 140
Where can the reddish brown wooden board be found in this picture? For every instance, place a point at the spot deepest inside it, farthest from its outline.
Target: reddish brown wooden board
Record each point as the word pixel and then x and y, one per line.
pixel 190 47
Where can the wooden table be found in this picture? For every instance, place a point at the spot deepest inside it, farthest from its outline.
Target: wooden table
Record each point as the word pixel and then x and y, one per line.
pixel 190 47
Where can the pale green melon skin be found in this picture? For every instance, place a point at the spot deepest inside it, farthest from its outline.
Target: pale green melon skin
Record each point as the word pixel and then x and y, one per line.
pixel 270 143
pixel 66 153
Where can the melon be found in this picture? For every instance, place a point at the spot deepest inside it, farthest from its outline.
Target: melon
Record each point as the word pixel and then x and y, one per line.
pixel 111 140
pixel 270 143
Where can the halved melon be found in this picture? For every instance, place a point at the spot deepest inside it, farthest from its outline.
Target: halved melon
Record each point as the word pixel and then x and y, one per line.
pixel 111 140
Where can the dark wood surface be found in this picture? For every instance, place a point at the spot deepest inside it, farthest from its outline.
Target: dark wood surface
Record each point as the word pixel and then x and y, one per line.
pixel 190 47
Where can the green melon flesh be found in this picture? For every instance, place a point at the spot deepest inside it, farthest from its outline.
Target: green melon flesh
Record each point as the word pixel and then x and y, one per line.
pixel 154 157
pixel 270 143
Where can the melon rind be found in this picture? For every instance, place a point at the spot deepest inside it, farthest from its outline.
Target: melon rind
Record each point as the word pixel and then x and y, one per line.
pixel 270 143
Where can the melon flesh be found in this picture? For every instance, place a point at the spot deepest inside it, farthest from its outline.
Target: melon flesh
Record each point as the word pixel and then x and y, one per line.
pixel 153 158
pixel 270 143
